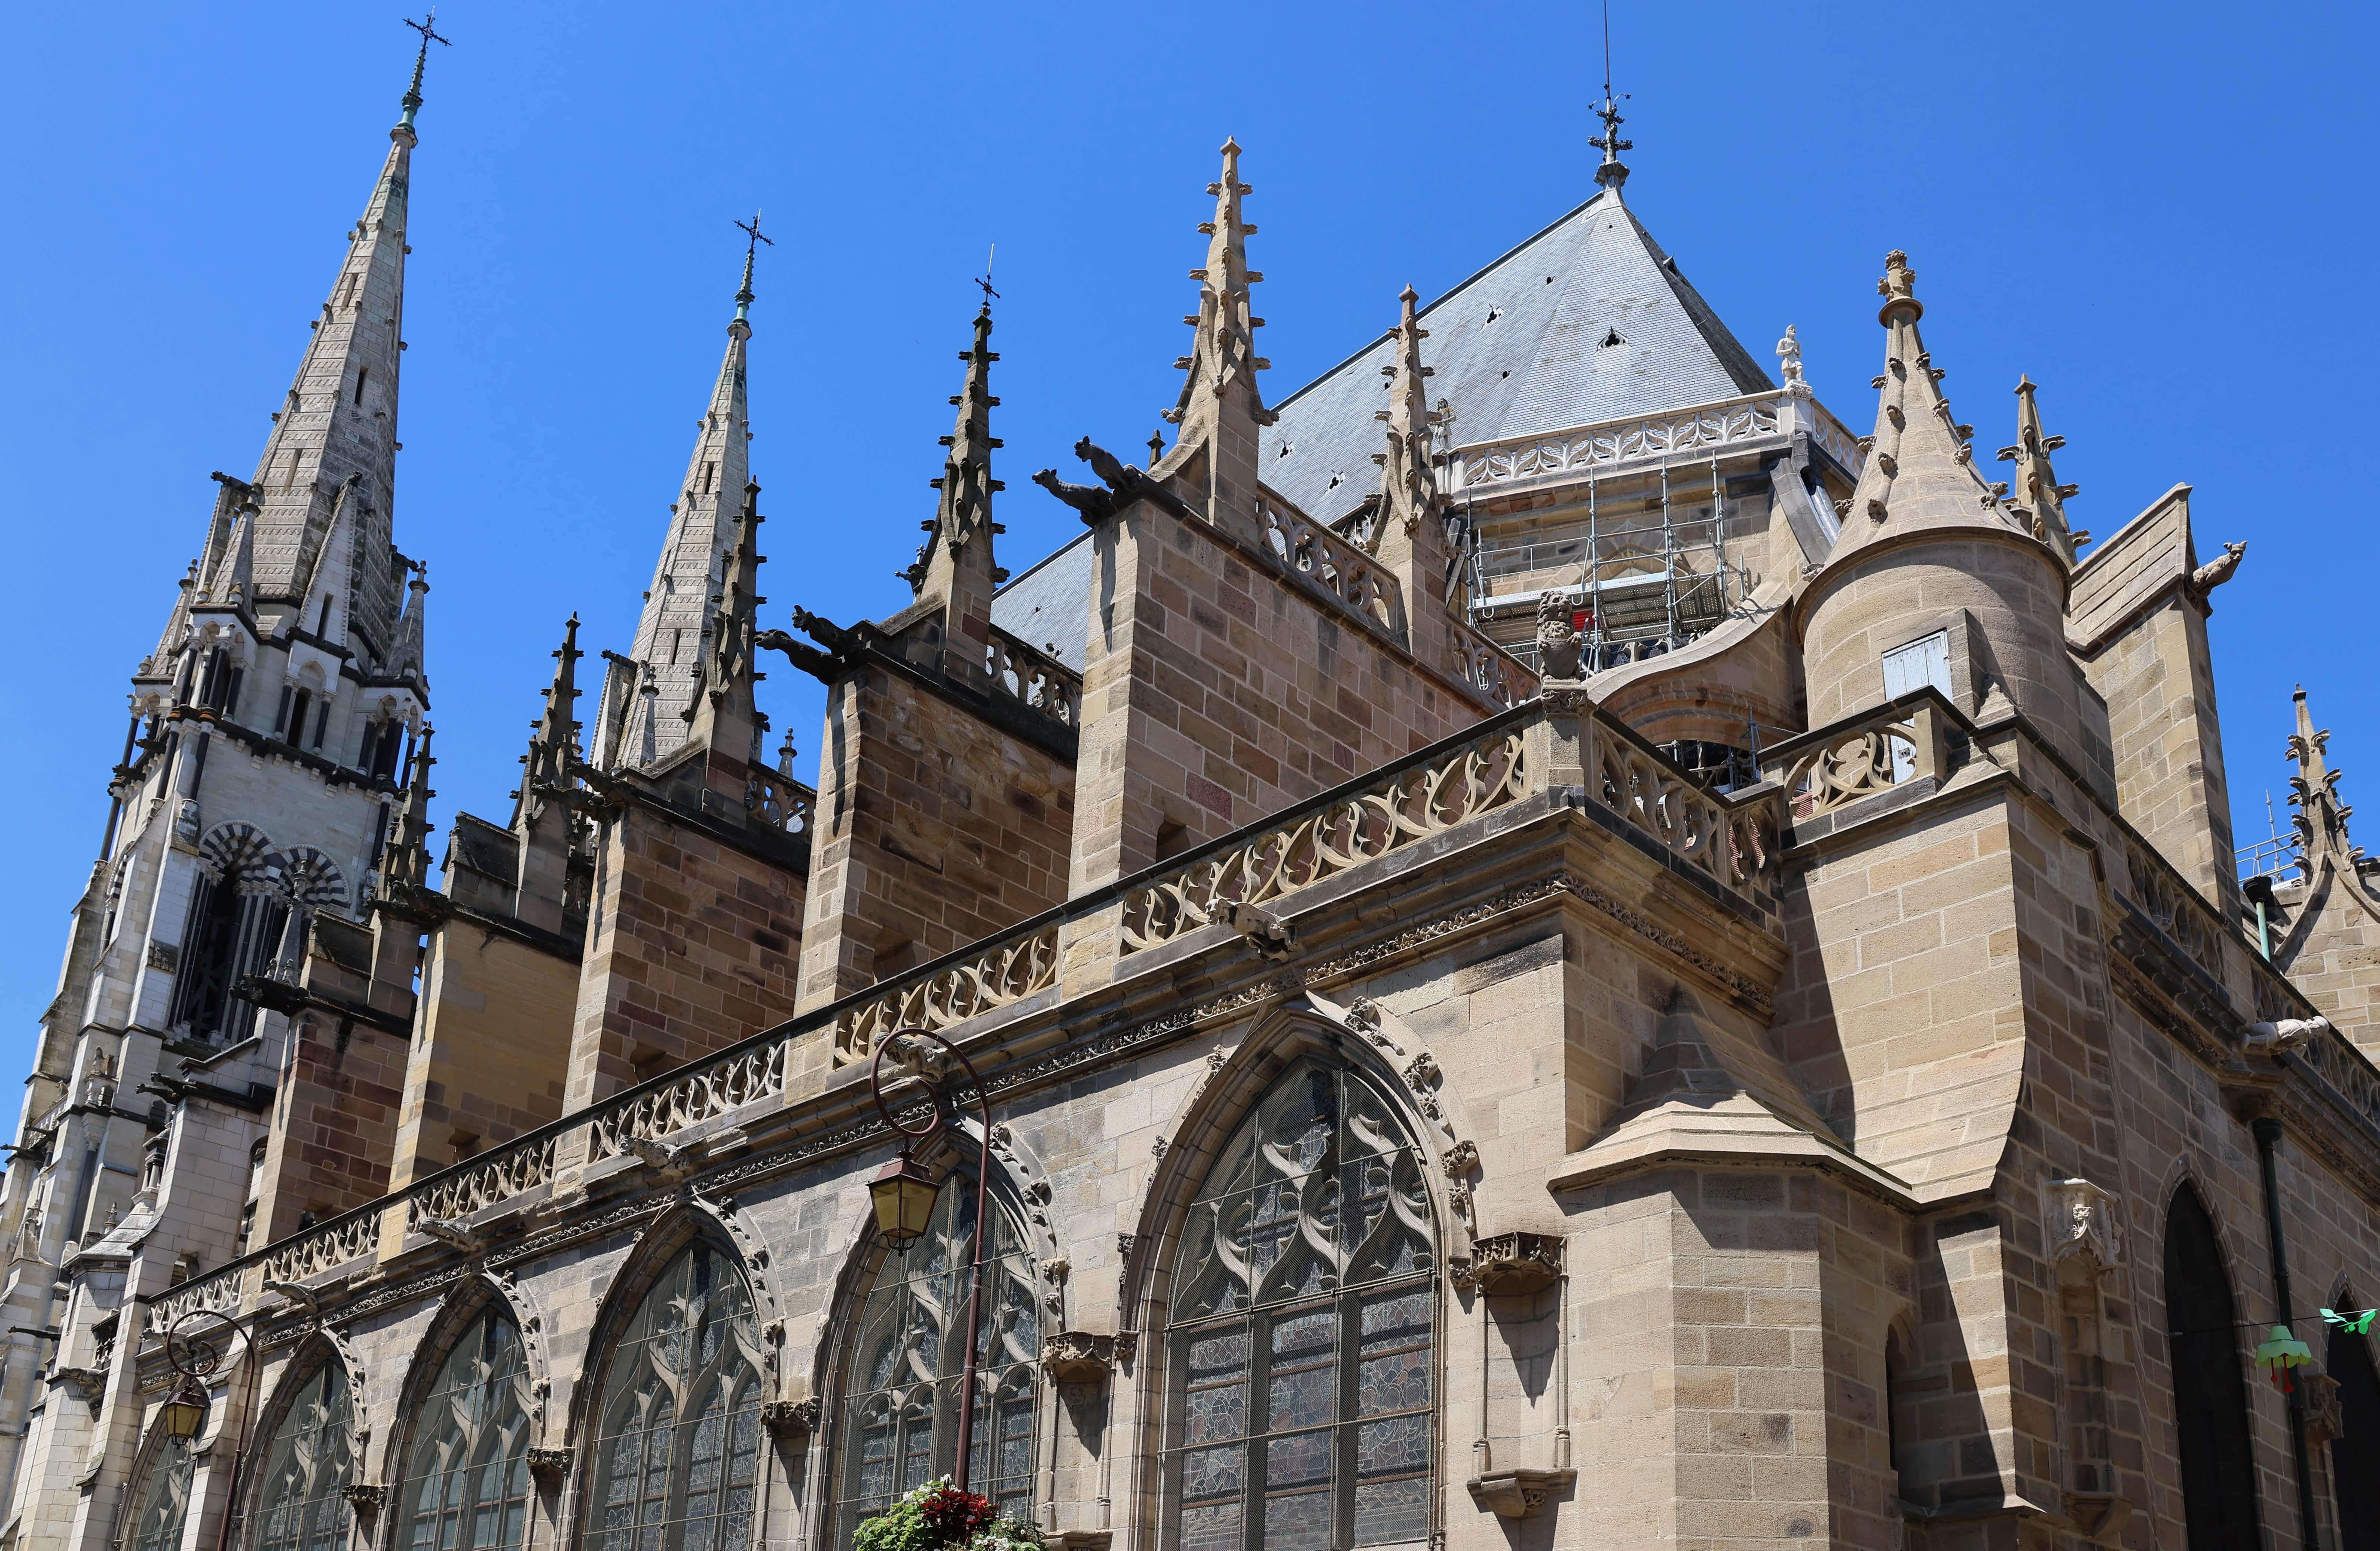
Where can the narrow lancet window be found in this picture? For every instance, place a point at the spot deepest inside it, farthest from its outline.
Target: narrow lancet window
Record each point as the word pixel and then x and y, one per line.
pixel 467 1475
pixel 301 1502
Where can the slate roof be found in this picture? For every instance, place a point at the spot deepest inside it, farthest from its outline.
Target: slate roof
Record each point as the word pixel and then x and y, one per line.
pixel 1516 354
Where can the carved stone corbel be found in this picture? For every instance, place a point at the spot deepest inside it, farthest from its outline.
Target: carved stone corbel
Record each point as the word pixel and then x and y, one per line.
pixel 550 1466
pixel 2081 1220
pixel 365 1499
pixel 1518 1494
pixel 1078 1357
pixel 789 1420
pixel 1516 1263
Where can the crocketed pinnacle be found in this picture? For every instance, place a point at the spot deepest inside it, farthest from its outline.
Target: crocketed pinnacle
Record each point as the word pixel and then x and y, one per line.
pixel 2321 818
pixel 406 865
pixel 1224 359
pixel 1920 475
pixel 2037 489
pixel 722 715
pixel 1408 493
pixel 553 754
pixel 956 564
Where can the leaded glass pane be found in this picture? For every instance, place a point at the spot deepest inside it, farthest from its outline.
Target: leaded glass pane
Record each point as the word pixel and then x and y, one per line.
pixel 165 1499
pixel 301 1497
pixel 1303 1305
pixel 466 1485
pixel 902 1413
pixel 677 1448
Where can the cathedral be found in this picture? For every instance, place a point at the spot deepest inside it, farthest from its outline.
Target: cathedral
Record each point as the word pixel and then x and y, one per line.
pixel 1539 943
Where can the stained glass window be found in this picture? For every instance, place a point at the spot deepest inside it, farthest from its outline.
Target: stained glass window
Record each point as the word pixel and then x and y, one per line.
pixel 301 1501
pixel 902 1410
pixel 1302 1331
pixel 677 1449
pixel 165 1497
pixel 465 1484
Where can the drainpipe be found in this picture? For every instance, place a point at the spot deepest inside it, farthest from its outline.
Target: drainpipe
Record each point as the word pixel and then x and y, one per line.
pixel 2260 889
pixel 2267 1130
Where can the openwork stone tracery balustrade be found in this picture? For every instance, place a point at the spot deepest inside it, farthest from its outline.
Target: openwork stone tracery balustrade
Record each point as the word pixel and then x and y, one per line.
pixel 731 1081
pixel 1034 679
pixel 496 1175
pixel 1007 971
pixel 1337 567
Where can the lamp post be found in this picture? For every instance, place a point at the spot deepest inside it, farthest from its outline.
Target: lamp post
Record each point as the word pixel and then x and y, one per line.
pixel 198 1358
pixel 904 1195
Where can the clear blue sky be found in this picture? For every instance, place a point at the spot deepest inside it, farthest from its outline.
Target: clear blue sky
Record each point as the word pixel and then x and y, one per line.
pixel 2163 213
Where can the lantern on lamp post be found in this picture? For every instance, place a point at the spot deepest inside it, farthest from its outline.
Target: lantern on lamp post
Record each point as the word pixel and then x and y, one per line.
pixel 198 1354
pixel 903 1192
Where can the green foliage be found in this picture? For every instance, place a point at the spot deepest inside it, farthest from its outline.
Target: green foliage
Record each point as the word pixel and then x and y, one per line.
pixel 938 1516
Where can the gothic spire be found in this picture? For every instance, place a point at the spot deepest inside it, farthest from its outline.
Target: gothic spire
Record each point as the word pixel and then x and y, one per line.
pixel 956 564
pixel 552 753
pixel 337 425
pixel 677 607
pixel 1920 473
pixel 406 661
pixel 2321 818
pixel 2037 489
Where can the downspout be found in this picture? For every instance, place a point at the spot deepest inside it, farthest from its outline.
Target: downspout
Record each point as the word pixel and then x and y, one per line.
pixel 2260 889
pixel 2267 1130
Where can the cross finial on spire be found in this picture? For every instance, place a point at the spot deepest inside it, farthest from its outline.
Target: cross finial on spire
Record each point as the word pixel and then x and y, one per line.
pixel 984 280
pixel 428 27
pixel 752 241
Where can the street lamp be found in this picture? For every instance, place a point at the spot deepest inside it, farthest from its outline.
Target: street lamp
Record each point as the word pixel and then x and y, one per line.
pixel 903 1195
pixel 198 1358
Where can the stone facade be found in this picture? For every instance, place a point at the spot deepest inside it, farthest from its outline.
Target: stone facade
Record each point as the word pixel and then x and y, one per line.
pixel 1470 1061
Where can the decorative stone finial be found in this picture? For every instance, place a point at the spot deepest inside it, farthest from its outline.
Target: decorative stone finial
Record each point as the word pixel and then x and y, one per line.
pixel 752 241
pixel 428 27
pixel 1899 287
pixel 1613 172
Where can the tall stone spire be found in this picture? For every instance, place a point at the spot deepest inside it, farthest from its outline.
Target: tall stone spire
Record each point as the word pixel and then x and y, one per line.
pixel 956 564
pixel 336 433
pixel 1410 530
pixel 2037 489
pixel 669 642
pixel 1222 409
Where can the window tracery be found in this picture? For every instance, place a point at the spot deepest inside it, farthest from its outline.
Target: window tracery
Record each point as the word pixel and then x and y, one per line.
pixel 902 1406
pixel 301 1501
pixel 165 1499
pixel 466 1485
pixel 1301 1330
pixel 677 1447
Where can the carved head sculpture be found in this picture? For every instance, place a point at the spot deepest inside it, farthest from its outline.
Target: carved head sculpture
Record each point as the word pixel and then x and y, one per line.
pixel 1557 634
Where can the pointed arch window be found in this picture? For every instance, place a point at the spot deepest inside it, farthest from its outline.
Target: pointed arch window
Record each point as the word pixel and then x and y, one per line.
pixel 465 1484
pixel 2210 1391
pixel 2355 1452
pixel 1301 1331
pixel 901 1414
pixel 678 1446
pixel 163 1500
pixel 301 1501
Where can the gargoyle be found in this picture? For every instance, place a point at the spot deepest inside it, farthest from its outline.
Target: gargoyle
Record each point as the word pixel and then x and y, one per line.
pixel 2282 1034
pixel 1096 504
pixel 2215 572
pixel 673 1161
pixel 1271 935
pixel 454 1235
pixel 818 664
pixel 824 631
pixel 297 1293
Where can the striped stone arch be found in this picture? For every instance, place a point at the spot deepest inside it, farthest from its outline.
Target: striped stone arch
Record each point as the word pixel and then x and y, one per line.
pixel 242 849
pixel 312 881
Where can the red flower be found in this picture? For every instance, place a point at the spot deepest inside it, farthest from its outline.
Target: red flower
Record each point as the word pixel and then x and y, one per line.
pixel 955 1516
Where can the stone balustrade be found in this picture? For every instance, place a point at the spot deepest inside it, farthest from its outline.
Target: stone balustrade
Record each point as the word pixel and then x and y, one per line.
pixel 1901 741
pixel 1487 667
pixel 1034 679
pixel 934 997
pixel 1606 445
pixel 746 1074
pixel 498 1174
pixel 779 802
pixel 1335 567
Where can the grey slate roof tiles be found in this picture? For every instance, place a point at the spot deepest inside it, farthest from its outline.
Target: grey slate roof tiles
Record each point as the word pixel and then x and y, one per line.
pixel 1587 320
